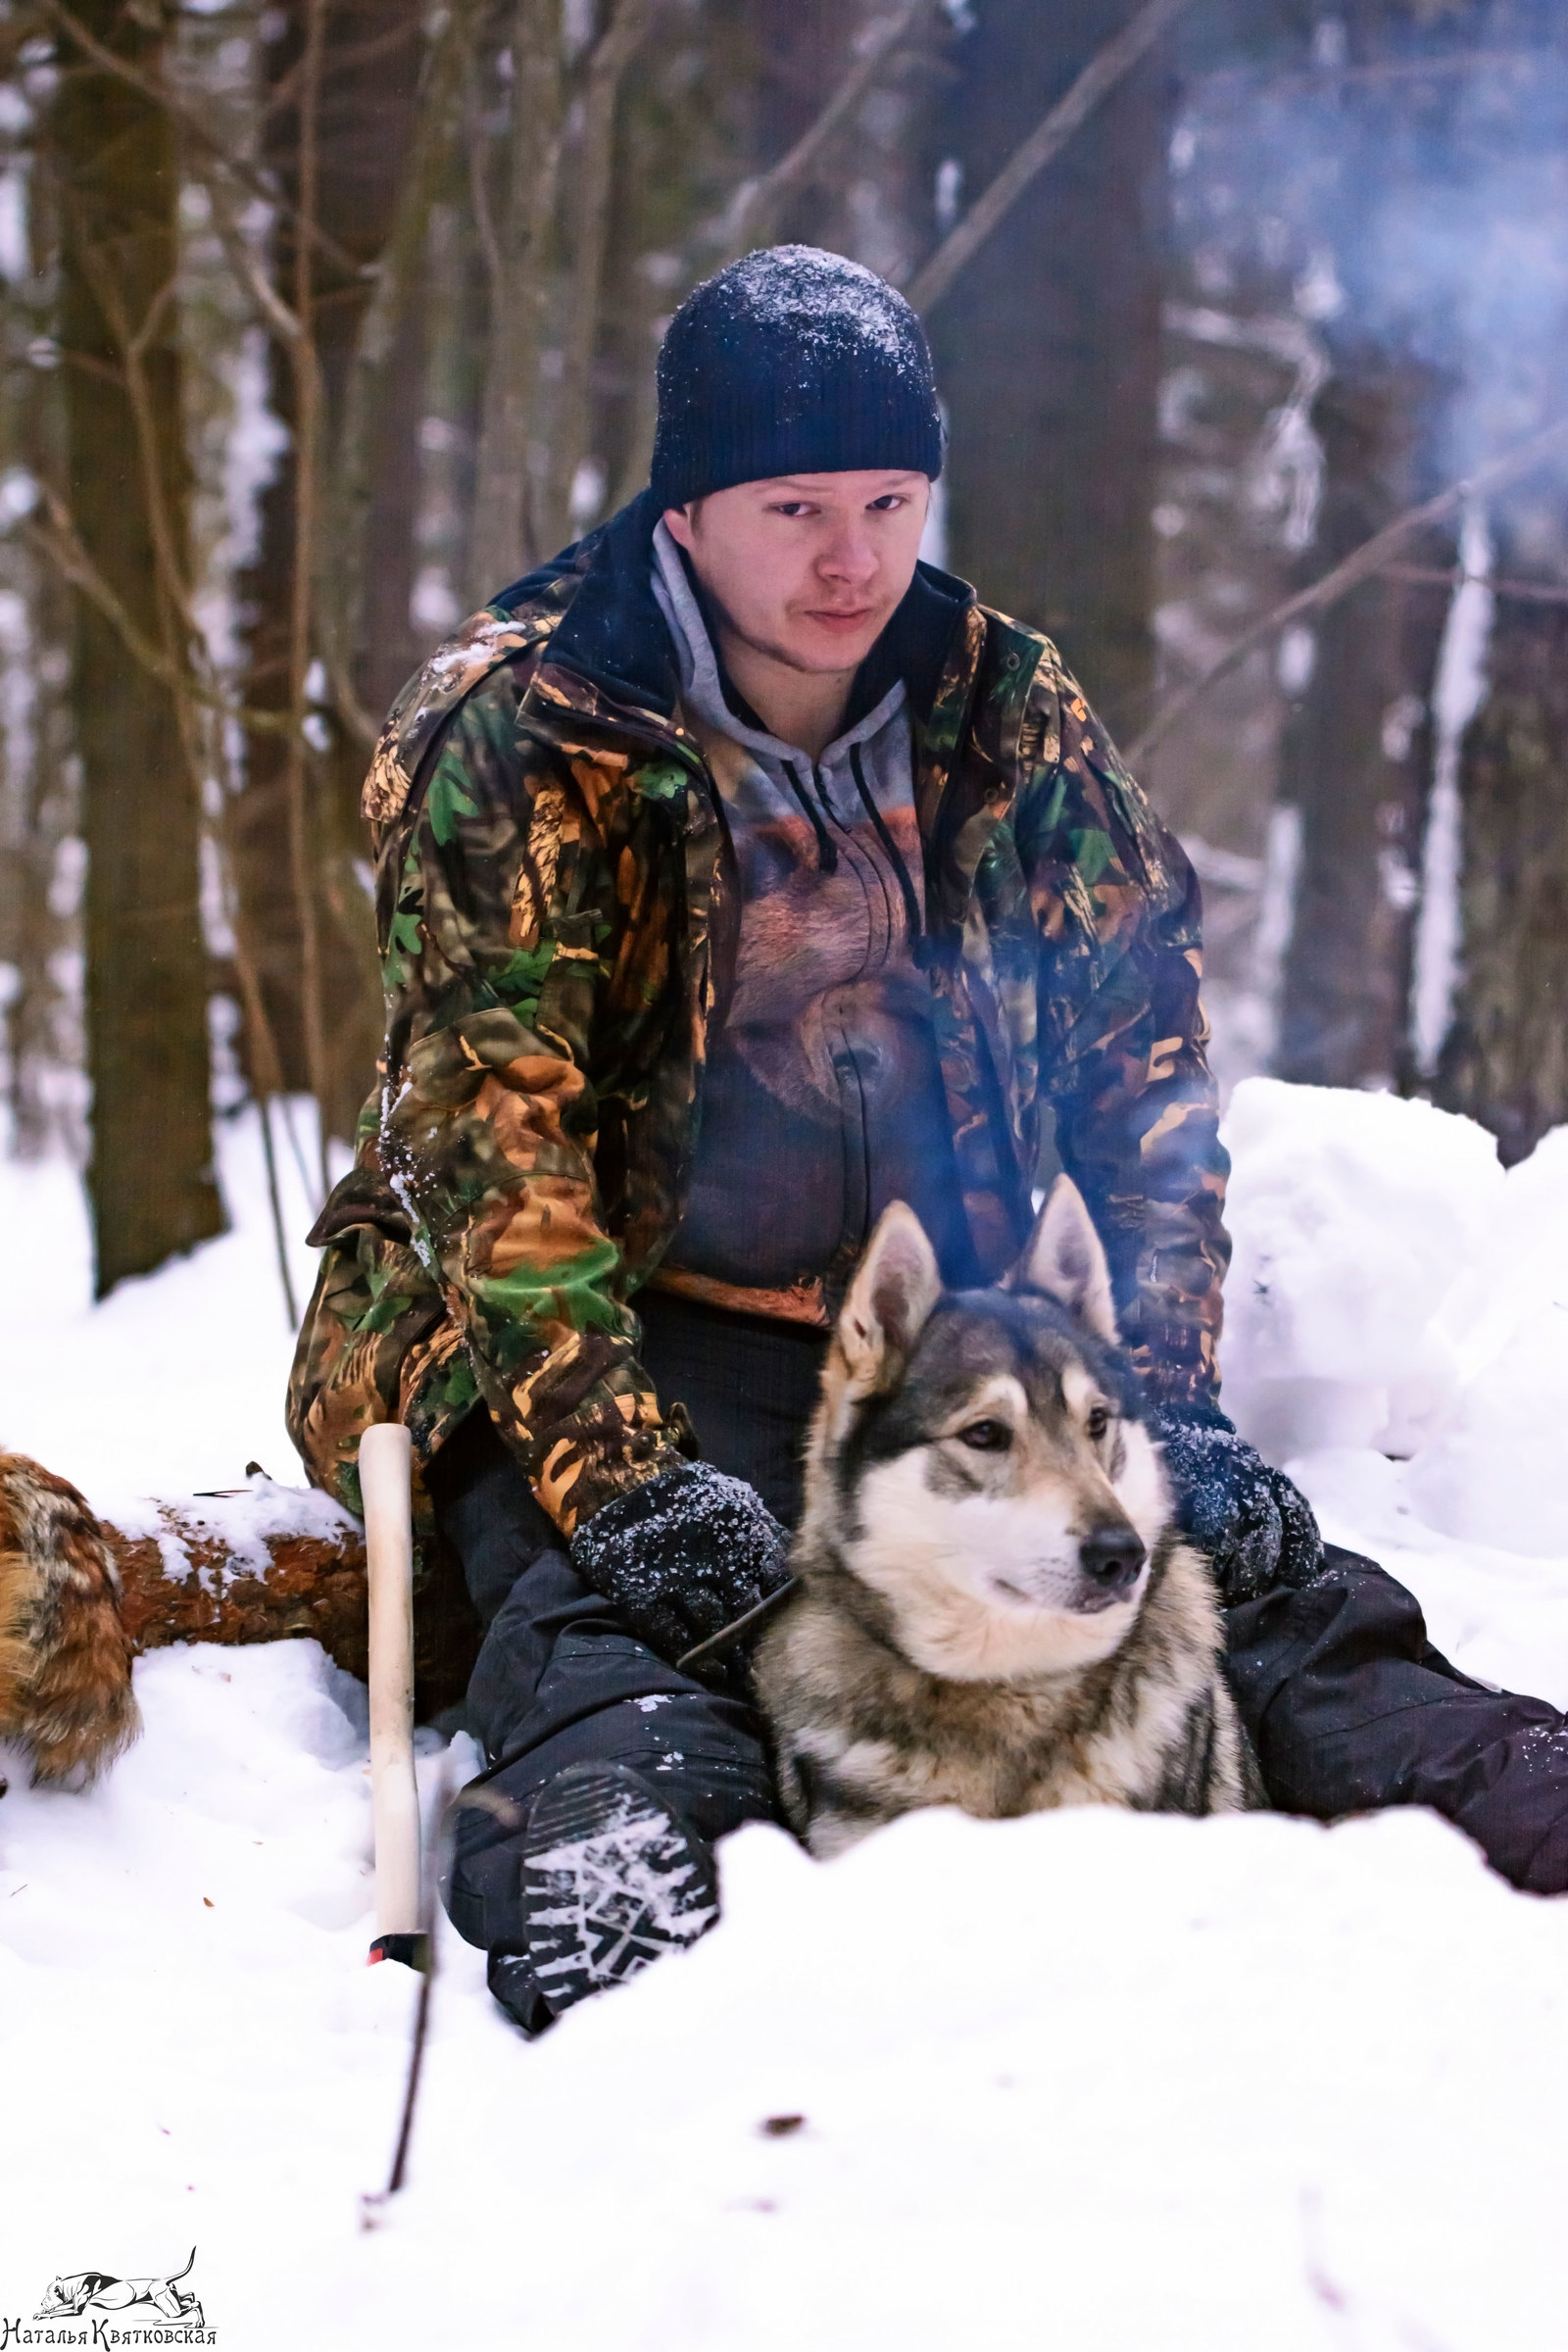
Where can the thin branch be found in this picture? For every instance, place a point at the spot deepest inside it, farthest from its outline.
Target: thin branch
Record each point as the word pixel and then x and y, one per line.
pixel 275 1201
pixel 1363 563
pixel 341 60
pixel 59 543
pixel 341 552
pixel 265 1063
pixel 137 344
pixel 504 540
pixel 593 185
pixel 270 305
pixel 757 203
pixel 173 587
pixel 182 643
pixel 1263 81
pixel 307 438
pixel 484 218
pixel 649 316
pixel 194 129
pixel 176 660
pixel 1431 575
pixel 1099 77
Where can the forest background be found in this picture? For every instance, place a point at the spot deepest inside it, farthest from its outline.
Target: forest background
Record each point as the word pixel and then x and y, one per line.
pixel 325 320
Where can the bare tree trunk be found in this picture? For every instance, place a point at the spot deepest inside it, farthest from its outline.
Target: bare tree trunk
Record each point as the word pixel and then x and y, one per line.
pixel 1357 749
pixel 40 918
pixel 838 157
pixel 390 646
pixel 687 133
pixel 1505 1063
pixel 517 243
pixel 1047 348
pixel 591 181
pixel 369 101
pixel 149 1177
pixel 361 456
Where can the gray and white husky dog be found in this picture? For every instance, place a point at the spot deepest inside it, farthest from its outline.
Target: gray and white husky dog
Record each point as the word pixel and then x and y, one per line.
pixel 993 1611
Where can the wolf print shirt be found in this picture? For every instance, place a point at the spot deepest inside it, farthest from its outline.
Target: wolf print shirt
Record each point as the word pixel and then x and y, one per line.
pixel 823 1096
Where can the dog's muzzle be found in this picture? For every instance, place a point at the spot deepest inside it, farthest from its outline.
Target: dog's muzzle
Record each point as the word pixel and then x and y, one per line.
pixel 1110 1561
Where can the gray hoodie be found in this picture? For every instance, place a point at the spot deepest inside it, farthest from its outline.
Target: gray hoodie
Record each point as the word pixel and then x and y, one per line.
pixel 823 1096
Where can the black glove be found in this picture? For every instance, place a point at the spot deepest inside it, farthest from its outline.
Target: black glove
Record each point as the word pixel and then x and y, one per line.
pixel 683 1556
pixel 1257 1527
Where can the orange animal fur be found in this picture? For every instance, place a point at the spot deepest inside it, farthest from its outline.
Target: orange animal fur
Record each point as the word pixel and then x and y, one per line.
pixel 65 1655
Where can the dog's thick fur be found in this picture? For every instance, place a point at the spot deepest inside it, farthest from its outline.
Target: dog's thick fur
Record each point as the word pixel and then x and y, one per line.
pixel 65 1655
pixel 994 1611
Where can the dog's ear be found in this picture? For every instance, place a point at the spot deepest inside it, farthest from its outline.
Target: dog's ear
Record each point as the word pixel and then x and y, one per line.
pixel 894 1288
pixel 1063 1259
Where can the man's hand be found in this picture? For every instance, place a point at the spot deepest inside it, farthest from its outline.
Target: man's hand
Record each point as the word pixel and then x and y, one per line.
pixel 1255 1527
pixel 683 1556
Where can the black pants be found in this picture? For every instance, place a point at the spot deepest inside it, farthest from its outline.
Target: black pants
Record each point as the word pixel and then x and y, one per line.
pixel 1351 1707
pixel 1347 1703
pixel 559 1679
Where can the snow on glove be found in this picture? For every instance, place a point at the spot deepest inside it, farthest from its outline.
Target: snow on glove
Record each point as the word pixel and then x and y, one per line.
pixel 1257 1527
pixel 684 1556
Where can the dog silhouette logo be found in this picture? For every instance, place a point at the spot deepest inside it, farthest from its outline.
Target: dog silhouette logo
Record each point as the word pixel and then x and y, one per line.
pixel 76 2292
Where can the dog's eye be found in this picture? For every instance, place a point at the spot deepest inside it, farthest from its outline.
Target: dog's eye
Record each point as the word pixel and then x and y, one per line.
pixel 1098 1421
pixel 987 1437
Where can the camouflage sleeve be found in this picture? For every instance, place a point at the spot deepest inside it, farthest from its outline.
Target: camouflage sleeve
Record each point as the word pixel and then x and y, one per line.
pixel 496 902
pixel 1123 1039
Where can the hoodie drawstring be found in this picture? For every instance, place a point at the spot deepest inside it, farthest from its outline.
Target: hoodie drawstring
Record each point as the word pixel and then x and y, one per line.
pixel 827 856
pixel 912 903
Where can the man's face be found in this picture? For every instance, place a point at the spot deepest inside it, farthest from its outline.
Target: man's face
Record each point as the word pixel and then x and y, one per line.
pixel 808 568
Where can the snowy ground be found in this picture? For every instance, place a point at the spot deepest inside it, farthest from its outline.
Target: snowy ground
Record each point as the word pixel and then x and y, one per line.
pixel 176 1382
pixel 1088 2081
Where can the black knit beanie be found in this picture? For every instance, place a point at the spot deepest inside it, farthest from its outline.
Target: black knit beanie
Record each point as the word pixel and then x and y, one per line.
pixel 792 361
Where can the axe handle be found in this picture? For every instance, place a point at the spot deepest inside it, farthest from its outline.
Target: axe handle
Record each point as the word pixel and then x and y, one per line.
pixel 386 1464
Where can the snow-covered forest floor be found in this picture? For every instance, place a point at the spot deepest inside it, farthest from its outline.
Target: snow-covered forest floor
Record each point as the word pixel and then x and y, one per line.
pixel 1089 2081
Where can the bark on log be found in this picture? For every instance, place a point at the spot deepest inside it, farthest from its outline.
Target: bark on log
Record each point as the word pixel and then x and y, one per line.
pixel 312 1584
pixel 190 1583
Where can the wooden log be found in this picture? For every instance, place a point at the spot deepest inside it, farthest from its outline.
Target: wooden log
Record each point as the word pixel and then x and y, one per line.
pixel 186 1583
pixel 280 1564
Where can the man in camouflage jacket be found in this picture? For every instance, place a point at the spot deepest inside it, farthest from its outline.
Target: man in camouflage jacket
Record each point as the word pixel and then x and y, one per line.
pixel 557 906
pixel 595 870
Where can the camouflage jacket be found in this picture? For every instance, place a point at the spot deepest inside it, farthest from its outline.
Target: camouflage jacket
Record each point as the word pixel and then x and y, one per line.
pixel 557 913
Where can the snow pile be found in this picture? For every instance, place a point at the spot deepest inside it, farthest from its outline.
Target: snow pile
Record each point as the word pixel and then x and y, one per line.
pixel 186 2021
pixel 1120 2083
pixel 1397 1293
pixel 176 1382
pixel 1493 1472
pixel 1352 1216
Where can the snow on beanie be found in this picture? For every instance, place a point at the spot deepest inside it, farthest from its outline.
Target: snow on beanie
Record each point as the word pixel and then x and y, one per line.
pixel 792 361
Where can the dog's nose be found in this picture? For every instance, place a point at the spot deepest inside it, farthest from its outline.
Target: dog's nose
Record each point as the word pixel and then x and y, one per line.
pixel 1112 1557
